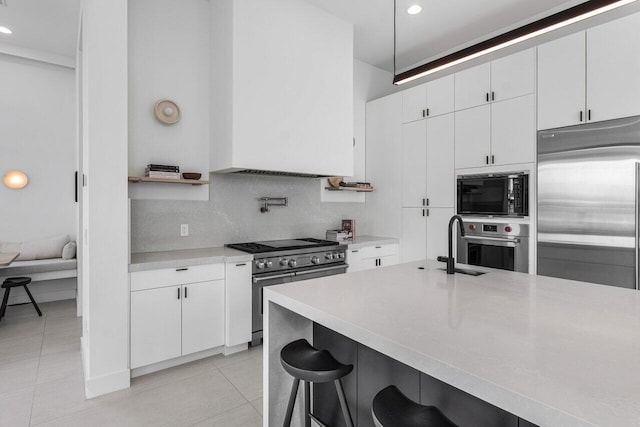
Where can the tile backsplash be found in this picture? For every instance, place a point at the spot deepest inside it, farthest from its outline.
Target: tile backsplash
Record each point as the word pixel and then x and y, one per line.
pixel 232 214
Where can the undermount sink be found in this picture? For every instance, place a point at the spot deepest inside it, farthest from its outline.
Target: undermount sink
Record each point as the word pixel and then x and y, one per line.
pixel 467 272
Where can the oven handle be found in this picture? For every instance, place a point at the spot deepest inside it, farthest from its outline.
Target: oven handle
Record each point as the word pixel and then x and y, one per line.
pixel 320 270
pixel 494 239
pixel 277 276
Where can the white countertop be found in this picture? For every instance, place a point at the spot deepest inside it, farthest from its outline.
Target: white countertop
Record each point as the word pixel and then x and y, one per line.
pixel 364 241
pixel 142 261
pixel 552 351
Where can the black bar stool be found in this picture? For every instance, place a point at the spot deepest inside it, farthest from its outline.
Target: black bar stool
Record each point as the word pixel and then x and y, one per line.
pixel 303 362
pixel 392 408
pixel 12 282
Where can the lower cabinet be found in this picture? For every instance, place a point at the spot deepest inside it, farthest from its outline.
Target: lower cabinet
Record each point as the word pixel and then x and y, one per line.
pixel 174 321
pixel 238 303
pixel 374 371
pixel 372 257
pixel 424 233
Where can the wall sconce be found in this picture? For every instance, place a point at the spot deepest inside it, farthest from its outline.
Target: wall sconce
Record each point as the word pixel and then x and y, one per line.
pixel 15 179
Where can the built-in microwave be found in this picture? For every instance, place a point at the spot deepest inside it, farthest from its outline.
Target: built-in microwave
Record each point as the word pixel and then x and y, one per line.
pixel 504 194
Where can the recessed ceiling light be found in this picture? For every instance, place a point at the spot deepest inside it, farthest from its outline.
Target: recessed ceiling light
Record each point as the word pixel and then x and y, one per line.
pixel 5 30
pixel 414 10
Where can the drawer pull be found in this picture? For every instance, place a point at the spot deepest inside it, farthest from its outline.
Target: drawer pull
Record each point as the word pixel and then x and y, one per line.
pixel 378 247
pixel 182 269
pixel 240 265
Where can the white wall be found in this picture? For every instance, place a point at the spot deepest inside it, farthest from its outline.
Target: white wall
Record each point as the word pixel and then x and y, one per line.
pixel 369 83
pixel 105 340
pixel 169 58
pixel 37 136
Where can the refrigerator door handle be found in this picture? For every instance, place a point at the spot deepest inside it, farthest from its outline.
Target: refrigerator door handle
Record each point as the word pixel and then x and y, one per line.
pixel 637 214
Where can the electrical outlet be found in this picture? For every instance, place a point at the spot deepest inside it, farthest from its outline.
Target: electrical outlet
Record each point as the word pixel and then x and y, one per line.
pixel 184 230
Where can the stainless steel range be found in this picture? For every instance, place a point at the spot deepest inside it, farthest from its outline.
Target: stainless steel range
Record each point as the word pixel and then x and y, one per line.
pixel 284 261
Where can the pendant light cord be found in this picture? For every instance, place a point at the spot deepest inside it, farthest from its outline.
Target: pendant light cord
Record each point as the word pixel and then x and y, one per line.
pixel 394 37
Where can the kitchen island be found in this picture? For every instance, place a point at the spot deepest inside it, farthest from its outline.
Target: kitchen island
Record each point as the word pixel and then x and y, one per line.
pixel 550 351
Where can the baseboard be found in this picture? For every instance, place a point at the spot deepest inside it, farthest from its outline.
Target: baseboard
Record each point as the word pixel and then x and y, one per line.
pixel 104 384
pixel 143 370
pixel 235 349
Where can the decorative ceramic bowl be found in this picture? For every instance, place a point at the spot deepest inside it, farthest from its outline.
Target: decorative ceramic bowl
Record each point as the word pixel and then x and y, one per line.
pixel 191 175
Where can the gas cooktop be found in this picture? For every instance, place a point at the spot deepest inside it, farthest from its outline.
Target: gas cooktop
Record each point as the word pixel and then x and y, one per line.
pixel 281 245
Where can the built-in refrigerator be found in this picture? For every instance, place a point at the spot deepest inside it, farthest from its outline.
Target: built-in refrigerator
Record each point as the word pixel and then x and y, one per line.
pixel 588 202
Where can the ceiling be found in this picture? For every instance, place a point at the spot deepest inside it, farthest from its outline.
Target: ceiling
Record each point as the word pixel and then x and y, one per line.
pixel 442 26
pixel 43 25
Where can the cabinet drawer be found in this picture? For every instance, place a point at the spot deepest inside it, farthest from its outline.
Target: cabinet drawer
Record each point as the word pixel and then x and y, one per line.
pixel 378 251
pixel 141 280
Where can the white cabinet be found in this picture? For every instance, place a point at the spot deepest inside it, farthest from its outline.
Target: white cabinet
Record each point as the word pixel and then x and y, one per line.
pixel 281 77
pixel 172 316
pixel 473 137
pixel 613 69
pixel 428 100
pixel 428 162
pixel 424 233
pixel 498 134
pixel 501 79
pixel 590 76
pixel 561 81
pixel 370 257
pixel 156 326
pixel 238 303
pixel 202 316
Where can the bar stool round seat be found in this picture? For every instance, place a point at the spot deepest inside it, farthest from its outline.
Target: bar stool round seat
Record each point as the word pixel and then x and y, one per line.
pixel 305 363
pixel 12 282
pixel 392 408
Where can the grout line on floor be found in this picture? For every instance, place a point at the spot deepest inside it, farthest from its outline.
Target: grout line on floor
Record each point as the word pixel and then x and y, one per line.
pixel 33 397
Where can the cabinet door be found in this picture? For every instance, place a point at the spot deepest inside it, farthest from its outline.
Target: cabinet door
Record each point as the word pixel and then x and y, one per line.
pixel 155 325
pixel 473 137
pixel 440 168
pixel 388 260
pixel 369 263
pixel 613 69
pixel 561 81
pixel 414 167
pixel 472 86
pixel 513 75
pixel 238 303
pixel 440 96
pixel 202 316
pixel 414 103
pixel 413 245
pixel 513 131
pixel 354 259
pixel 437 228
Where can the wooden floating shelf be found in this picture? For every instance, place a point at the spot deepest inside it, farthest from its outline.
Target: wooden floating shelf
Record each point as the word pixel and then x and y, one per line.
pixel 168 180
pixel 359 190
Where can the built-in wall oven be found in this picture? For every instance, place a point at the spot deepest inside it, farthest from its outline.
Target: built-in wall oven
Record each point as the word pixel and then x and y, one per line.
pixel 284 261
pixel 495 245
pixel 504 194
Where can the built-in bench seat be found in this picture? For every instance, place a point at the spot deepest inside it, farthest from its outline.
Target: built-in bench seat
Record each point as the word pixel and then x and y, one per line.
pixel 42 269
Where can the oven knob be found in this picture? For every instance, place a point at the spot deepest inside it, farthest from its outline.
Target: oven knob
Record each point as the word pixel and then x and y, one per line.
pixel 340 256
pixel 329 256
pixel 508 229
pixel 472 227
pixel 268 264
pixel 260 264
pixel 284 262
pixel 292 263
pixel 315 260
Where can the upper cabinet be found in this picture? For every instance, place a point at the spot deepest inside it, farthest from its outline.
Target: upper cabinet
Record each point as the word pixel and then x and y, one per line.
pixel 502 79
pixel 428 100
pixel 281 88
pixel 603 60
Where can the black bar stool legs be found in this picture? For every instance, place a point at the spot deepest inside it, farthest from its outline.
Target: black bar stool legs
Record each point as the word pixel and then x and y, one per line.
pixel 13 282
pixel 305 363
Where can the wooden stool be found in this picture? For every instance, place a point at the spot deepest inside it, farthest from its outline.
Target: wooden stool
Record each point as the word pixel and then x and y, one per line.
pixel 303 362
pixel 392 408
pixel 12 282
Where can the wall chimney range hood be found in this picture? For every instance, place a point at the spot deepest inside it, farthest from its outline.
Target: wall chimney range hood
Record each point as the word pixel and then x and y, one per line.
pixel 279 107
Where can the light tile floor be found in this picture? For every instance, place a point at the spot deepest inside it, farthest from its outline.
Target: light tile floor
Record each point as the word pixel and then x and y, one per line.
pixel 41 381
